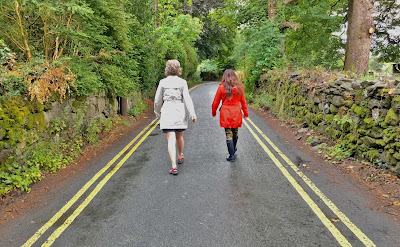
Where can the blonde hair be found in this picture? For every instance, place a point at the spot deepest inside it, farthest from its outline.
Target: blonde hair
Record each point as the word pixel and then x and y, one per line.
pixel 173 67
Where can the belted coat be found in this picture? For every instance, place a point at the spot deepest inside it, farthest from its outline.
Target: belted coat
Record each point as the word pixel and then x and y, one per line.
pixel 230 115
pixel 171 99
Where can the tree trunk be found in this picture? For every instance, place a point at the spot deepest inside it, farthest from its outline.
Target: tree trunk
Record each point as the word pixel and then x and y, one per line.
pixel 272 9
pixel 22 32
pixel 156 12
pixel 359 32
pixel 45 40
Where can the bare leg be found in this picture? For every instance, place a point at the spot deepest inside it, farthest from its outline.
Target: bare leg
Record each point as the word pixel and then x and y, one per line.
pixel 171 147
pixel 180 143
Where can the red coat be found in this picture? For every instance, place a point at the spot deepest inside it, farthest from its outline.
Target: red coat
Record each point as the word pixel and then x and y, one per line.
pixel 230 115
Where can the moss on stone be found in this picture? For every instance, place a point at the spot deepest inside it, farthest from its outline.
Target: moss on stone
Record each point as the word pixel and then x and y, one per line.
pixel 75 104
pixel 387 158
pixel 392 118
pixel 15 135
pixel 47 106
pixel 375 132
pixel 351 137
pixel 372 142
pixel 396 99
pixel 35 106
pixel 361 111
pixel 317 118
pixel 372 154
pixel 348 103
pixel 329 118
pixel 333 109
pixel 362 131
pixel 7 123
pixel 370 122
pixel 396 169
pixel 2 132
pixel 380 142
pixel 332 132
pixel 30 122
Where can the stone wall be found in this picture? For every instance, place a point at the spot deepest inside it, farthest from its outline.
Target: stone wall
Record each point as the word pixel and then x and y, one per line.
pixel 362 115
pixel 24 122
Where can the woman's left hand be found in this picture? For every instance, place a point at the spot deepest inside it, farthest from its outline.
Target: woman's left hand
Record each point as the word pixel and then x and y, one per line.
pixel 194 120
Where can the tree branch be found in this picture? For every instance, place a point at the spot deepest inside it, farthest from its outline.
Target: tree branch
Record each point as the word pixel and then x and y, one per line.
pixel 13 40
pixel 335 3
pixel 290 1
pixel 291 25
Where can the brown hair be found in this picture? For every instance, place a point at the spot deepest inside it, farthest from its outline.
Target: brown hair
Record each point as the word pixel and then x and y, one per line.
pixel 230 80
pixel 173 67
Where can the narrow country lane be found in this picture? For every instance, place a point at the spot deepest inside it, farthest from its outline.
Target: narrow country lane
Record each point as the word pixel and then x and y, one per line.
pixel 262 199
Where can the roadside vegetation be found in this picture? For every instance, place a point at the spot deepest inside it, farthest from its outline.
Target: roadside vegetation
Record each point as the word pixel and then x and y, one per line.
pixel 57 50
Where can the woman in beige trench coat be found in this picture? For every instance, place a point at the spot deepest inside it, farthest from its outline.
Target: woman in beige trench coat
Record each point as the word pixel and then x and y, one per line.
pixel 172 97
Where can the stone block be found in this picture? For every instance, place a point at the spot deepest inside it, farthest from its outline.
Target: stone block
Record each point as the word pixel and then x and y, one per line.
pixel 396 169
pixel 373 103
pixel 337 100
pixel 392 118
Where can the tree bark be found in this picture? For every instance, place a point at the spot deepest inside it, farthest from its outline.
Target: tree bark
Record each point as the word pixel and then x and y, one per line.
pixel 359 33
pixel 45 40
pixel 272 9
pixel 156 12
pixel 22 32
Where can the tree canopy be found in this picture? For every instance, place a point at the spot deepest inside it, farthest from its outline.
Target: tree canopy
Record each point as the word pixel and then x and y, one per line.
pixel 122 45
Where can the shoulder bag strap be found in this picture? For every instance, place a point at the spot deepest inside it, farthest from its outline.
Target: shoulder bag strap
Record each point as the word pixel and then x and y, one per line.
pixel 222 103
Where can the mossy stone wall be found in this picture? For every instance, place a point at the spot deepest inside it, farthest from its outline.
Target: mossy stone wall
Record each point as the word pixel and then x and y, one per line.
pixel 24 122
pixel 364 115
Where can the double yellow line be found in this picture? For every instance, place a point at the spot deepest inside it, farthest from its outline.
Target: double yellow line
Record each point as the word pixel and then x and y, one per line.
pixel 95 191
pixel 314 207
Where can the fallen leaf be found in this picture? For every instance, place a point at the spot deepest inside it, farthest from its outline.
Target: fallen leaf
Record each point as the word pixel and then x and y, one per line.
pixel 335 219
pixel 396 203
pixel 306 166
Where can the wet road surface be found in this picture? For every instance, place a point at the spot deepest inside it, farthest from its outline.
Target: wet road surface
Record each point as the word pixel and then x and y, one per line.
pixel 259 200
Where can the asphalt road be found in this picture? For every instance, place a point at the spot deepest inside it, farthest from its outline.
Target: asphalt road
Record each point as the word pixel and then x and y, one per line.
pixel 259 200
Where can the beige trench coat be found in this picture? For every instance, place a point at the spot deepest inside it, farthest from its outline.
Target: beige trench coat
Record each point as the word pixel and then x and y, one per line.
pixel 171 98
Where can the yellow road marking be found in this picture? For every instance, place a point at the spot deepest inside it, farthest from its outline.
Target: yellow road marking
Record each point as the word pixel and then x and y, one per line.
pixel 363 238
pixel 82 206
pixel 195 87
pixel 69 204
pixel 314 207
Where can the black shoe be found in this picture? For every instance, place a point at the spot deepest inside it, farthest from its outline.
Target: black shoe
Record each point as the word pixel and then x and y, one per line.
pixel 231 150
pixel 231 158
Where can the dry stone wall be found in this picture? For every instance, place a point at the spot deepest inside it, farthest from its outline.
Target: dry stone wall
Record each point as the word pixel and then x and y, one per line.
pixel 362 115
pixel 24 122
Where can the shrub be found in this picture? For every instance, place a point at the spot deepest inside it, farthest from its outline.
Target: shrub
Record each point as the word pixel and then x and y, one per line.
pixel 137 109
pixel 209 70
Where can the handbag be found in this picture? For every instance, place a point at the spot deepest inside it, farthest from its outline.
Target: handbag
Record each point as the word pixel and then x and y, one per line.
pixel 219 109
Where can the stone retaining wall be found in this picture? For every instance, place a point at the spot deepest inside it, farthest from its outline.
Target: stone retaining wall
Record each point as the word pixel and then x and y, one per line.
pixel 362 115
pixel 24 122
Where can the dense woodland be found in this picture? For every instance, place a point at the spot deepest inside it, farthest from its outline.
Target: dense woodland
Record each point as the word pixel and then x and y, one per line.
pixel 122 45
pixel 75 48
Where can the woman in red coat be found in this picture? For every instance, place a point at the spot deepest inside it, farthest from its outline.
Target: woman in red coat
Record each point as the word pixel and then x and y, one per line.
pixel 231 92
